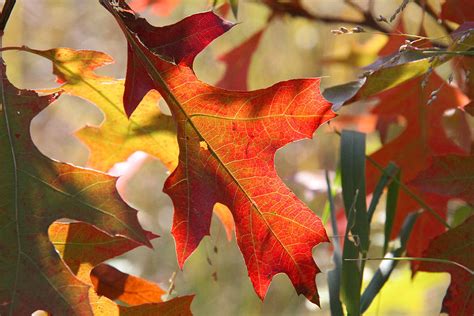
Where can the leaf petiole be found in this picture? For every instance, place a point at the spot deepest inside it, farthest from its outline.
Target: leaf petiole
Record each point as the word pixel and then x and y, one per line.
pixel 416 259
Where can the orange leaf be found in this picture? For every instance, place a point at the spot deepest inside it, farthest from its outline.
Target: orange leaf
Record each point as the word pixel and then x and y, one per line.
pixel 82 247
pixel 129 289
pixel 241 131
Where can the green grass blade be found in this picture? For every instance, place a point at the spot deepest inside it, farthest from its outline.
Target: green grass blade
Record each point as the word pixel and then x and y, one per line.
pixel 353 180
pixel 334 276
pixel 334 188
pixel 351 274
pixel 334 281
pixel 389 171
pixel 385 269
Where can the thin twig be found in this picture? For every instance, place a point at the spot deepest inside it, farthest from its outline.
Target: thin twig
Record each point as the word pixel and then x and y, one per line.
pixel 295 9
pixel 399 10
pixel 444 52
pixel 436 260
pixel 5 15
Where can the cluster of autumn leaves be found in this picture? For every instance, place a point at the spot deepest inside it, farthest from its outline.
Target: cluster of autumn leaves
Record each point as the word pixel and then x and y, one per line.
pixel 220 146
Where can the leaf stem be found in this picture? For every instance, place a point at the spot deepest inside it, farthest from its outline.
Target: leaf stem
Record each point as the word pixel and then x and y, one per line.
pixel 457 53
pixel 20 48
pixel 299 11
pixel 436 260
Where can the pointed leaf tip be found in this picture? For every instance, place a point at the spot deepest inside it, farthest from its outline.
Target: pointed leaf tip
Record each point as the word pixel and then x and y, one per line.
pixel 176 44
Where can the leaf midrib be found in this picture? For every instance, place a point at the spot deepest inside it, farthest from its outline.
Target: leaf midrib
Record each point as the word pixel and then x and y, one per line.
pixel 74 198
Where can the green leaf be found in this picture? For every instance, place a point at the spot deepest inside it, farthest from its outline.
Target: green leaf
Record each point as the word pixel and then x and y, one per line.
pixel 351 274
pixel 385 73
pixel 388 172
pixel 391 71
pixel 353 180
pixel 334 281
pixel 338 95
pixel 334 276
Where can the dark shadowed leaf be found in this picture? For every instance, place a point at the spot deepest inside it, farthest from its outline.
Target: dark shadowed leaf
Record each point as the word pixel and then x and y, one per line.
pixel 34 192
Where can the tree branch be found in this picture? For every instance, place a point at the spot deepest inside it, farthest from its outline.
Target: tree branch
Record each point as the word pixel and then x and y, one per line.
pixel 294 8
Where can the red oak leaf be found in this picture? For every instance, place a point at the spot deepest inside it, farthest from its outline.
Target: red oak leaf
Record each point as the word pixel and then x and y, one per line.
pixel 238 62
pixel 227 145
pixel 426 226
pixel 455 245
pixel 450 175
pixel 424 135
pixel 458 11
pixel 423 138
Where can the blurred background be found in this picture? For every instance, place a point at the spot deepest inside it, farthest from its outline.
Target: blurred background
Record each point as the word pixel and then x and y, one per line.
pixel 290 47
